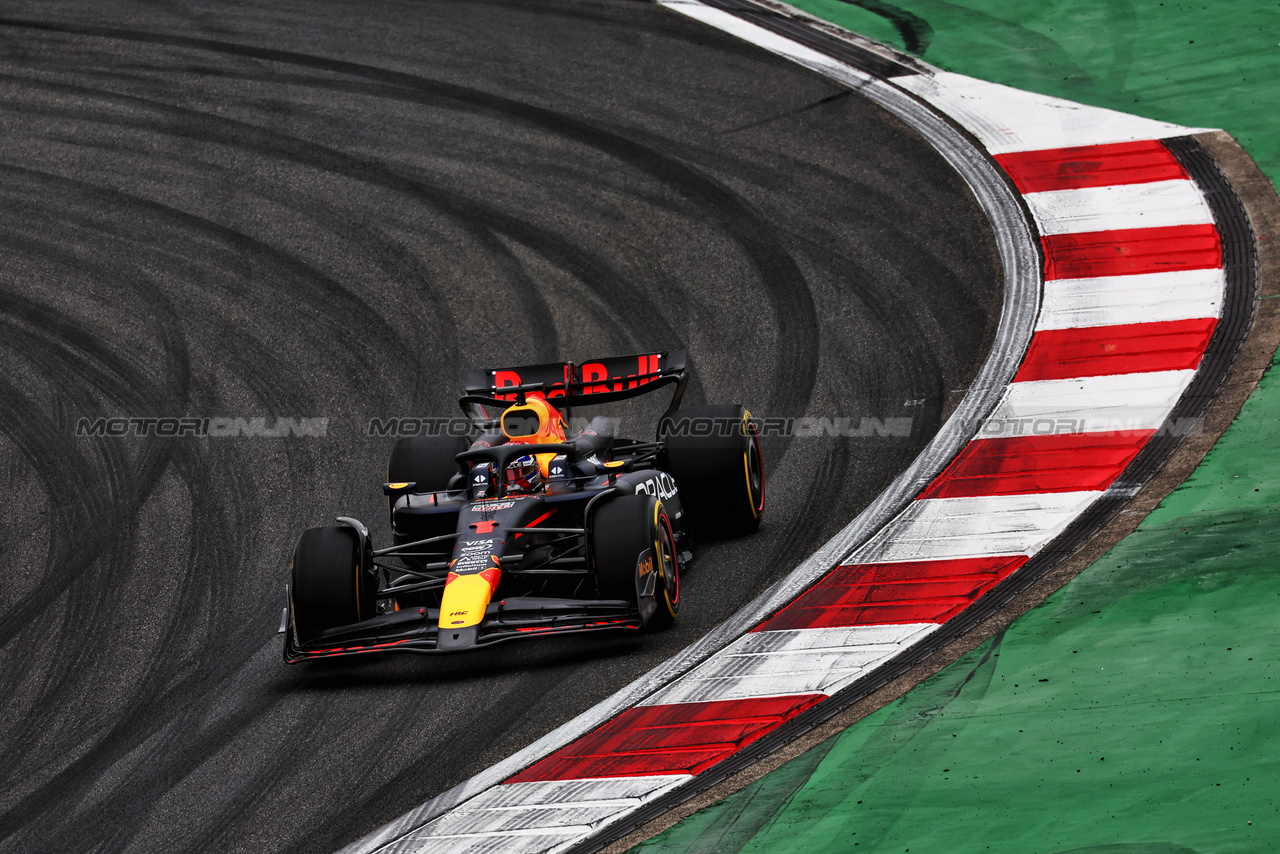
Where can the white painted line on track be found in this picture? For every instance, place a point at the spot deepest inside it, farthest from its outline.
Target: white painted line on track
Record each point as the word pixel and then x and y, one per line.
pixel 771 41
pixel 1007 119
pixel 1020 259
pixel 732 663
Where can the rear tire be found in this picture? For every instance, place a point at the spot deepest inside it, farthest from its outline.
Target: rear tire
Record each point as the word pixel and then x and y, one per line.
pixel 633 553
pixel 714 454
pixel 330 587
pixel 427 461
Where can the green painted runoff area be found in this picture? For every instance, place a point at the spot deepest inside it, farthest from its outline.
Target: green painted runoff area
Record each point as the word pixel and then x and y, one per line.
pixel 1137 711
pixel 1200 64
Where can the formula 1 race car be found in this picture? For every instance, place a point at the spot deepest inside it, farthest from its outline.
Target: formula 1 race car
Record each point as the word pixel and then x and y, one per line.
pixel 527 530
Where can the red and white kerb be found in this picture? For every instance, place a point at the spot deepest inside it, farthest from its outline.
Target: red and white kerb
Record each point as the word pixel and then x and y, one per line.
pixel 1133 285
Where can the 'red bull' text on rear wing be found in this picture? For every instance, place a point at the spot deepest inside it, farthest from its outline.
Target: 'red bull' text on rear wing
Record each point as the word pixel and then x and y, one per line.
pixel 566 385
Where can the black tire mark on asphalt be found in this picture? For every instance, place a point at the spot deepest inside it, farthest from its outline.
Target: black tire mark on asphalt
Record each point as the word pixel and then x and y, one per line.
pixel 915 31
pixel 333 300
pixel 203 739
pixel 72 359
pixel 481 220
pixel 794 314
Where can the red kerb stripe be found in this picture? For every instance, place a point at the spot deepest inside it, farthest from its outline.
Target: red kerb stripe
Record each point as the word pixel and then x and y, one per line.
pixel 1132 348
pixel 876 594
pixel 679 738
pixel 1024 465
pixel 1128 252
pixel 1091 166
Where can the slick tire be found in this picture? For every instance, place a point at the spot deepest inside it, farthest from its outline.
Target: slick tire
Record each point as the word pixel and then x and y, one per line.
pixel 714 454
pixel 632 550
pixel 427 461
pixel 329 586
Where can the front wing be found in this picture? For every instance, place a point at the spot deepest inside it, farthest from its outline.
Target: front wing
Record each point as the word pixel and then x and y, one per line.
pixel 417 630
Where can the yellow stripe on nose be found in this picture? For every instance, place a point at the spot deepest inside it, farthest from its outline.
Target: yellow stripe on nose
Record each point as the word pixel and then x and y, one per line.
pixel 465 598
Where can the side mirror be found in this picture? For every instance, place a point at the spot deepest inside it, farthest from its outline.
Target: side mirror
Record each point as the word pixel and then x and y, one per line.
pixel 480 480
pixel 559 469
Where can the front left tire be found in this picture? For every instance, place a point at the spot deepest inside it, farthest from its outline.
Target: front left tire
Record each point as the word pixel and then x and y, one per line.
pixel 329 585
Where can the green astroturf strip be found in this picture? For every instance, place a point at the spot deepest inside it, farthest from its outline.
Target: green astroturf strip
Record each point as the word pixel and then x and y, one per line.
pixel 1138 710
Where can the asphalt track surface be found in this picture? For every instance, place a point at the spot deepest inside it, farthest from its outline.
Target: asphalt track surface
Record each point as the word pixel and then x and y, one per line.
pixel 331 209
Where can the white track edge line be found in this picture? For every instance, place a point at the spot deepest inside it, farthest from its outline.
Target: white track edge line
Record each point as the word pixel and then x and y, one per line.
pixel 1020 256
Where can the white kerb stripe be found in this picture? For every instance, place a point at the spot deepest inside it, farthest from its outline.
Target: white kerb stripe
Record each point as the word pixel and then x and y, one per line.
pixel 1007 119
pixel 1118 300
pixel 1117 402
pixel 979 526
pixel 534 817
pixel 619 791
pixel 547 817
pixel 791 661
pixel 1123 206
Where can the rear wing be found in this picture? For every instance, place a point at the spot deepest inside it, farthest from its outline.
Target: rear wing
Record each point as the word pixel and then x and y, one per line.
pixel 566 385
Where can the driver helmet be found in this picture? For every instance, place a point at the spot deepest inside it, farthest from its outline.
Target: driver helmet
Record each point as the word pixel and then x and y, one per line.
pixel 522 474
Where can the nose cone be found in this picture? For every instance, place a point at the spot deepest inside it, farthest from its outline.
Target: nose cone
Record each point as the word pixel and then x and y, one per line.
pixel 467 596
